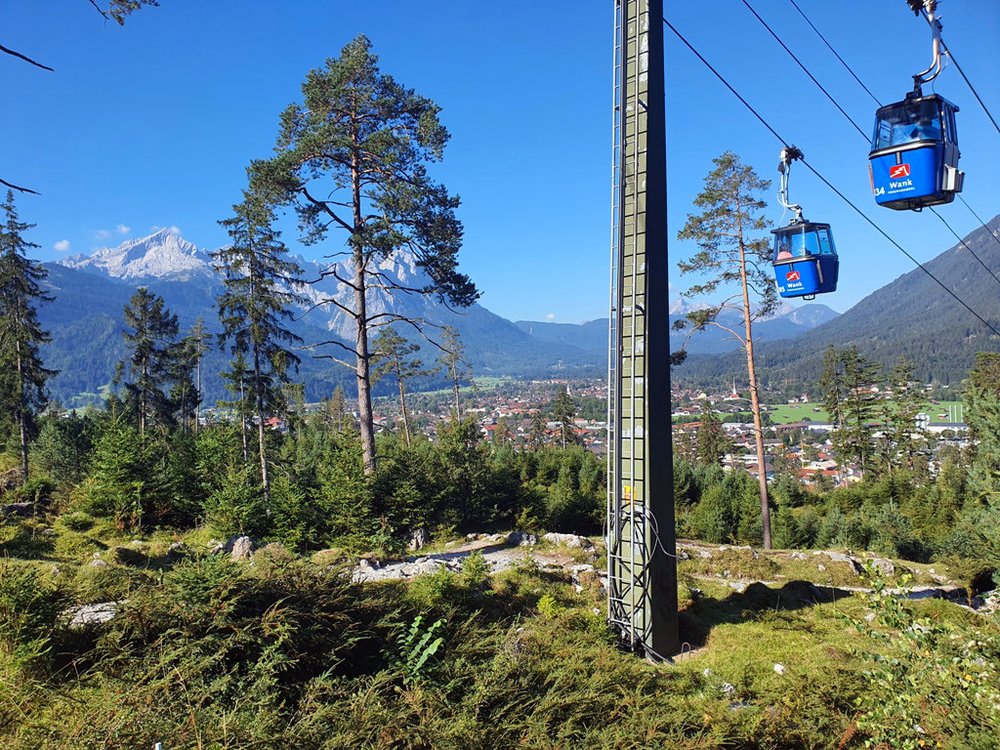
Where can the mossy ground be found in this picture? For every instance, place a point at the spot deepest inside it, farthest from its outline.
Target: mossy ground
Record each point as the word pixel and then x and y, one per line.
pixel 283 652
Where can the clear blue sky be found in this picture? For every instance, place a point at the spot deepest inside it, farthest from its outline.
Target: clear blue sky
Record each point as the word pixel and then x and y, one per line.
pixel 153 124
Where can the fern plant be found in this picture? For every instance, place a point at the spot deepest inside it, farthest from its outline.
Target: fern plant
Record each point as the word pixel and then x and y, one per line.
pixel 415 648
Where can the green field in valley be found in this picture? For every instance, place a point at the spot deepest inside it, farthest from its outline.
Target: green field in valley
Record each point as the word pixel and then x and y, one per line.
pixel 941 411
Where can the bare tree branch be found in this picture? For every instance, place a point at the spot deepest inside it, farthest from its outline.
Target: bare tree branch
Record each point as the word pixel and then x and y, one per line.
pixel 326 208
pixel 339 361
pixel 100 10
pixel 342 345
pixel 13 53
pixel 18 187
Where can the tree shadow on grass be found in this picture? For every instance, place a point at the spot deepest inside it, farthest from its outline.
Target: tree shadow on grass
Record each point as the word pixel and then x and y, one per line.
pixel 697 620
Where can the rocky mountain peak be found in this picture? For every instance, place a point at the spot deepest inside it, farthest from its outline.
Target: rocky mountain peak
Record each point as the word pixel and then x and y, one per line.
pixel 162 255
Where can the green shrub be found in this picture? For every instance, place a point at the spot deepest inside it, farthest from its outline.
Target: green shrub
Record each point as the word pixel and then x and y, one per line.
pixel 928 681
pixel 29 609
pixel 105 583
pixel 77 521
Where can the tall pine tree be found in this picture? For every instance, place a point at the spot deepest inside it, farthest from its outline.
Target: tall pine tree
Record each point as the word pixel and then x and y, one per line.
pixel 21 335
pixel 734 258
pixel 353 157
pixel 982 398
pixel 452 358
pixel 260 283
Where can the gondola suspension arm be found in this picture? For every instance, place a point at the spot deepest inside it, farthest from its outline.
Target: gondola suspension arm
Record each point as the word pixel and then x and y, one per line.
pixel 929 7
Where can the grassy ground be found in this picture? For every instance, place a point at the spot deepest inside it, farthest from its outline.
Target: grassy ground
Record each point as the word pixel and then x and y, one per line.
pixel 814 412
pixel 788 413
pixel 283 652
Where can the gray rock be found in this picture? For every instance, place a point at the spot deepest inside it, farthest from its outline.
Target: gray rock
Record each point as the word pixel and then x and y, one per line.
pixel 22 510
pixel 91 615
pixel 521 539
pixel 239 547
pixel 418 538
pixel 844 558
pixel 421 567
pixel 798 555
pixel 568 540
pixel 821 567
pixel 97 563
pixel 837 556
pixel 883 566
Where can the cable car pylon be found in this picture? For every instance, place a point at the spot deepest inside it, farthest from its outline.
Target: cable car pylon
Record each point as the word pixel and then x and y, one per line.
pixel 642 571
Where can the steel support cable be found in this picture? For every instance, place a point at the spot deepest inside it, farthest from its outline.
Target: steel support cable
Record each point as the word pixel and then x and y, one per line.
pixel 966 246
pixel 865 137
pixel 965 78
pixel 826 182
pixel 830 47
pixel 982 223
pixel 805 70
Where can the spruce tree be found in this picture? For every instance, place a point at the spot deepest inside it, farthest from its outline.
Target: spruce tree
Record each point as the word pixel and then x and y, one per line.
pixel 452 359
pixel 849 383
pixel 352 157
pixel 184 394
pixel 151 338
pixel 392 356
pixel 982 399
pixel 21 335
pixel 236 379
pixel 199 340
pixel 908 438
pixel 713 443
pixel 259 289
pixel 564 412
pixel 734 257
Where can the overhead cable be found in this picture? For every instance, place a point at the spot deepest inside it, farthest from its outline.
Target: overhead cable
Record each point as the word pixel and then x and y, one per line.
pixel 806 70
pixel 966 79
pixel 830 47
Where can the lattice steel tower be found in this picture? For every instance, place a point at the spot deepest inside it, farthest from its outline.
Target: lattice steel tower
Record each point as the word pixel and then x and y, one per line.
pixel 642 574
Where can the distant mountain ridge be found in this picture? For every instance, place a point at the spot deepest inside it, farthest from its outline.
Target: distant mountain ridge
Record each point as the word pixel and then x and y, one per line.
pixel 787 322
pixel 90 293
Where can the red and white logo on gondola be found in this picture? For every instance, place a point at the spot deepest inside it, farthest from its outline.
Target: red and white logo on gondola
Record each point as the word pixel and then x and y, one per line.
pixel 899 170
pixel 792 276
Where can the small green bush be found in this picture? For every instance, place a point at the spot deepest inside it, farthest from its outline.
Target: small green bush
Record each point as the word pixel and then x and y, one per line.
pixel 29 609
pixel 77 521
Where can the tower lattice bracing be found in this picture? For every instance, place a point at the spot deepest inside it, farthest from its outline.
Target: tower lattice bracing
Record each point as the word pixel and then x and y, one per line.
pixel 642 574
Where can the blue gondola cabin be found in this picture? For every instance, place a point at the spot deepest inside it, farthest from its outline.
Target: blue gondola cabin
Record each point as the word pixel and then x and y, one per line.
pixel 914 158
pixel 805 260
